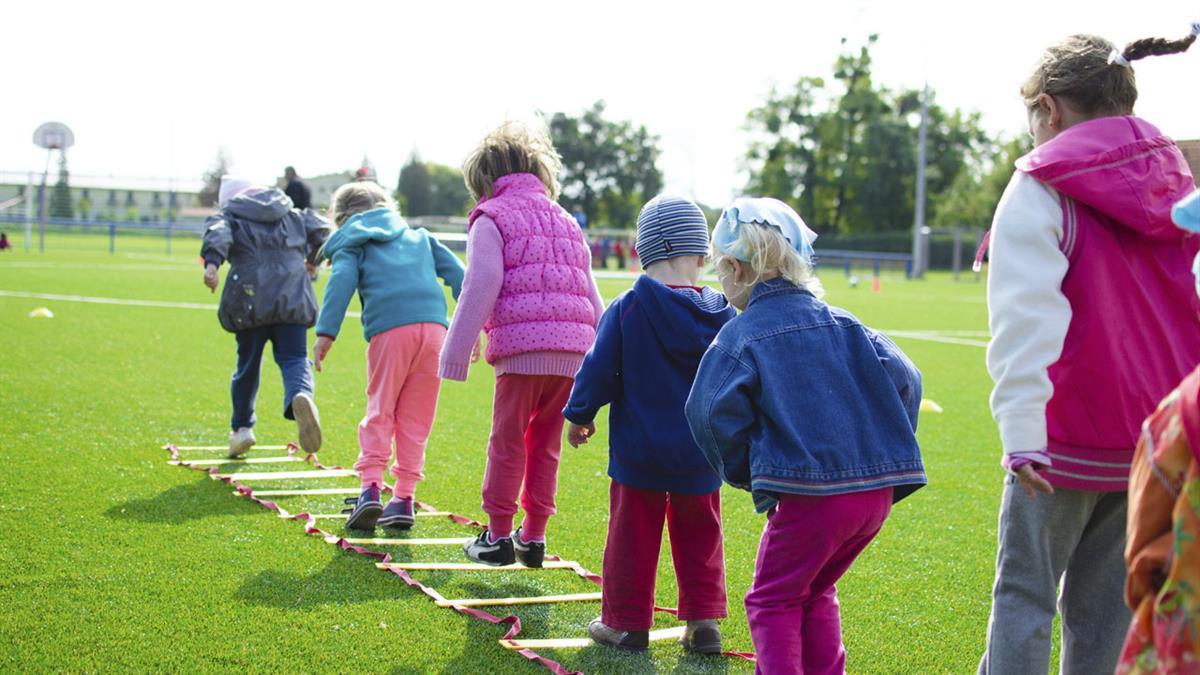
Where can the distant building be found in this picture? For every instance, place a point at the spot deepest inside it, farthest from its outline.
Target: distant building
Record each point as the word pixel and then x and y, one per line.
pixel 1191 151
pixel 115 199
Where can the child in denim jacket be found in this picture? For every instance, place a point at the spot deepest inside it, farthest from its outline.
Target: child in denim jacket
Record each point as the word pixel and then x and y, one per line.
pixel 815 415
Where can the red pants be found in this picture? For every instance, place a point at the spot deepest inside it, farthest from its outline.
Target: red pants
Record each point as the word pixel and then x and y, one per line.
pixel 523 450
pixel 631 555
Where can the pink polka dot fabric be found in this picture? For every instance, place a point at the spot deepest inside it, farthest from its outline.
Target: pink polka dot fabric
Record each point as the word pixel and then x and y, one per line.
pixel 544 300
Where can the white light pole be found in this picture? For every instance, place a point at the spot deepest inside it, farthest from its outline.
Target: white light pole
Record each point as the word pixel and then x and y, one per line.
pixel 919 263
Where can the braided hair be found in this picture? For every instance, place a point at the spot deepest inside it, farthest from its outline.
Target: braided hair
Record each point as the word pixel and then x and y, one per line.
pixel 1095 78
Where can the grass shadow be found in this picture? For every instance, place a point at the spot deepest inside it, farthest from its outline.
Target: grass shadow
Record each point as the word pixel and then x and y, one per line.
pixel 183 503
pixel 346 580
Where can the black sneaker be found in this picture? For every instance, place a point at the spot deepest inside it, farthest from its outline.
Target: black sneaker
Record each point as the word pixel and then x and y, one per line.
pixel 494 553
pixel 398 514
pixel 530 553
pixel 367 508
pixel 632 640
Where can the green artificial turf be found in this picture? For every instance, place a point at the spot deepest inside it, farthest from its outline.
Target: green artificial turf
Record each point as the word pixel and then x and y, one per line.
pixel 113 560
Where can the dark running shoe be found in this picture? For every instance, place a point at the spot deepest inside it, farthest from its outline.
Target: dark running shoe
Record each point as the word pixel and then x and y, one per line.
pixel 494 553
pixel 702 637
pixel 529 553
pixel 367 508
pixel 398 514
pixel 633 640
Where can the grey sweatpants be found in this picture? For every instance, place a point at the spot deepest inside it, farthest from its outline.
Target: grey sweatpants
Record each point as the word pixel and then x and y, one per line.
pixel 1078 537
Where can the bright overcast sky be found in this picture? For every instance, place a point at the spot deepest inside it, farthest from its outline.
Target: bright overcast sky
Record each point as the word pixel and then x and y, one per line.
pixel 153 89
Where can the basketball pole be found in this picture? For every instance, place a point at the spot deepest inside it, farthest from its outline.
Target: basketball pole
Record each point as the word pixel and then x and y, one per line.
pixel 29 212
pixel 42 205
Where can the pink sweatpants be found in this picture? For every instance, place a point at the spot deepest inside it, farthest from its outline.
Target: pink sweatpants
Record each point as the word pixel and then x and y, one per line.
pixel 792 606
pixel 402 393
pixel 523 451
pixel 635 528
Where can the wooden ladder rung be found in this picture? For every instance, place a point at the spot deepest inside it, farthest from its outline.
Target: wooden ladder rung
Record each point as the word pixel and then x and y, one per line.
pixel 287 475
pixel 475 567
pixel 578 643
pixel 534 600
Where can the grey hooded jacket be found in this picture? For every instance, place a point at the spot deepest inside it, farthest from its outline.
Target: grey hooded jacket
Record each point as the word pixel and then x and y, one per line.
pixel 266 242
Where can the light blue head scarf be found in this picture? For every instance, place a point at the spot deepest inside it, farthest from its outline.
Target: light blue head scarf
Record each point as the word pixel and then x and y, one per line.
pixel 1186 214
pixel 764 211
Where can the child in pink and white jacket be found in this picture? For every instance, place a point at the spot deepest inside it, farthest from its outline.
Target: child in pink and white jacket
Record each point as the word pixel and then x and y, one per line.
pixel 1093 321
pixel 529 287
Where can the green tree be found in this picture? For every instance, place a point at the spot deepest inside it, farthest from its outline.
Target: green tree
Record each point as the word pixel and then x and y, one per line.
pixel 845 156
pixel 60 195
pixel 972 198
pixel 610 168
pixel 449 194
pixel 414 190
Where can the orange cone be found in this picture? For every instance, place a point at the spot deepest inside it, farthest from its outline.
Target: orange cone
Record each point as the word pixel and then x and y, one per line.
pixel 875 285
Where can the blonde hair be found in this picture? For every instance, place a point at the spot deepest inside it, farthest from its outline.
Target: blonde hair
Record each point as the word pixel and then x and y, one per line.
pixel 513 147
pixel 771 253
pixel 356 197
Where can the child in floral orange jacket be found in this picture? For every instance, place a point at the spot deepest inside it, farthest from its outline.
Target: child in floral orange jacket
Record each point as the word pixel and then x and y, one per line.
pixel 1162 550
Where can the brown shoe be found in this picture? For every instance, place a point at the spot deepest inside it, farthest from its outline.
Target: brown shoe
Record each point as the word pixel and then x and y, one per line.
pixel 633 640
pixel 702 637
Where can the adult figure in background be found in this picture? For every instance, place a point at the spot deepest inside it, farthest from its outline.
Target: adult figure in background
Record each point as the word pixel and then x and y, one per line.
pixel 296 189
pixel 580 217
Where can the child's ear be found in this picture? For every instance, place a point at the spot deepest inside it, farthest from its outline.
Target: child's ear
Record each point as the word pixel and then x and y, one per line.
pixel 741 271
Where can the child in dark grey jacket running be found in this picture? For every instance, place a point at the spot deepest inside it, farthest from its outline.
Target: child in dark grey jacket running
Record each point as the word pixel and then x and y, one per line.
pixel 271 248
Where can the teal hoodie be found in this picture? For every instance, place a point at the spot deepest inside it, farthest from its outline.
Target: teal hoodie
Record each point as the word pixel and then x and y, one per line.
pixel 393 267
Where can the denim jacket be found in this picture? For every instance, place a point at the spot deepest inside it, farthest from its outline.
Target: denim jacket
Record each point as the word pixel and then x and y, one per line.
pixel 798 397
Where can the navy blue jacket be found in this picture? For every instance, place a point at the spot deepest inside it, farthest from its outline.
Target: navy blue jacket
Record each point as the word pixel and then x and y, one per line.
pixel 798 397
pixel 648 346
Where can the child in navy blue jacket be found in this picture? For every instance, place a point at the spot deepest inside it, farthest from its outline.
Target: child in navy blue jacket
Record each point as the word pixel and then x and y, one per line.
pixel 815 415
pixel 648 346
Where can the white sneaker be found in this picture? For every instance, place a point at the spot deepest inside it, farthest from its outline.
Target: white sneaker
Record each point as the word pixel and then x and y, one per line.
pixel 308 422
pixel 240 441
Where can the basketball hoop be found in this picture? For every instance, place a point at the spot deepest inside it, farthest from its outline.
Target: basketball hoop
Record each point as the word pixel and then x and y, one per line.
pixel 53 136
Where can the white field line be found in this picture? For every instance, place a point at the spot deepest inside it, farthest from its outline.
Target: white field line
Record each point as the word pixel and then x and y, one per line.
pixel 211 307
pixel 136 267
pixel 954 337
pixel 930 336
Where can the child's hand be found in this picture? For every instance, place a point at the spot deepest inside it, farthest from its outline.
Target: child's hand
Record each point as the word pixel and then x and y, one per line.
pixel 320 349
pixel 210 277
pixel 477 350
pixel 1032 483
pixel 578 434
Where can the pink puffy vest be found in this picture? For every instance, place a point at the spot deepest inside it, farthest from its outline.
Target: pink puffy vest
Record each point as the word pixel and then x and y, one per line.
pixel 1135 319
pixel 544 302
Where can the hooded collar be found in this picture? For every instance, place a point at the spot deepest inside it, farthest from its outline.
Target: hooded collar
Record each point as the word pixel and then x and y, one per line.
pixel 1122 167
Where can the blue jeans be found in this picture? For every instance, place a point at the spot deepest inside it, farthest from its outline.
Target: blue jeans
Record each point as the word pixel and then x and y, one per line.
pixel 289 345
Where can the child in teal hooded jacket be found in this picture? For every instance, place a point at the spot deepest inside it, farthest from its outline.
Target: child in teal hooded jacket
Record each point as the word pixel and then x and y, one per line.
pixel 395 270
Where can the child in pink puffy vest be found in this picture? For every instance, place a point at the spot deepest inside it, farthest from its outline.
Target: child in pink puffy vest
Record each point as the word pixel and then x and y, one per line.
pixel 529 287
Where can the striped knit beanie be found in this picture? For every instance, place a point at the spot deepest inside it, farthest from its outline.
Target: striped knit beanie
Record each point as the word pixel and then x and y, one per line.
pixel 670 226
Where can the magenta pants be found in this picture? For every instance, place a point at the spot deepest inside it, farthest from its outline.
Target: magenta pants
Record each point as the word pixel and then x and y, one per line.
pixel 402 393
pixel 635 528
pixel 792 606
pixel 523 451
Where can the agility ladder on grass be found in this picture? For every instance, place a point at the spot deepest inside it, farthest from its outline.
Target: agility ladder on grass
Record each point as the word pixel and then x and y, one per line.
pixel 401 569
